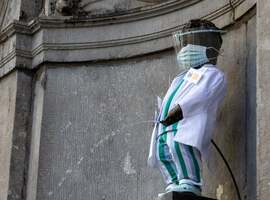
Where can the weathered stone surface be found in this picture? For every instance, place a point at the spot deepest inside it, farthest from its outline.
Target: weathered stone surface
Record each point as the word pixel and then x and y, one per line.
pixel 251 109
pixel 9 11
pixel 231 135
pixel 8 88
pixel 97 130
pixel 20 138
pixel 24 10
pixel 130 34
pixel 37 110
pixel 14 129
pixel 31 9
pixel 100 7
pixel 263 103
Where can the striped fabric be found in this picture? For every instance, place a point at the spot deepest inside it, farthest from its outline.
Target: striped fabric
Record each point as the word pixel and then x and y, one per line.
pixel 176 161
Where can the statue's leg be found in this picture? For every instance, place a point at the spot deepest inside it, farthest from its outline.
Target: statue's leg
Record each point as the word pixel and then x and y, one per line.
pixel 165 161
pixel 187 161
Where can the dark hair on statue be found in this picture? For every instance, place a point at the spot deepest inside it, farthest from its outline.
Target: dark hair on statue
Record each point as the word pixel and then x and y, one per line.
pixel 202 24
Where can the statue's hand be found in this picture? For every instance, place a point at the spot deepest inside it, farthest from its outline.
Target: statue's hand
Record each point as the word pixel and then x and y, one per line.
pixel 173 116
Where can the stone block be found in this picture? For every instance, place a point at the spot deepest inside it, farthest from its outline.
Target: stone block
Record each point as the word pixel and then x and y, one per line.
pixel 182 196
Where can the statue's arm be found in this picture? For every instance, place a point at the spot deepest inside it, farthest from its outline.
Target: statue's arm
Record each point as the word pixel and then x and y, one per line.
pixel 174 115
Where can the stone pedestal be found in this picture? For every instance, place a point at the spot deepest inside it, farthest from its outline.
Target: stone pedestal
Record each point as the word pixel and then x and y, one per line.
pixel 181 196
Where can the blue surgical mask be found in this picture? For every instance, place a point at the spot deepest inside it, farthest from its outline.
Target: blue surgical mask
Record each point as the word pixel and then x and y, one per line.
pixel 192 56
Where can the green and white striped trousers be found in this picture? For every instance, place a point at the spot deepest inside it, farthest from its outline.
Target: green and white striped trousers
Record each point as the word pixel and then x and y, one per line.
pixel 178 161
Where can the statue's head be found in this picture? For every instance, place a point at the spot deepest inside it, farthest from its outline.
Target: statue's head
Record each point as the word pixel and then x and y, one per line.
pixel 200 32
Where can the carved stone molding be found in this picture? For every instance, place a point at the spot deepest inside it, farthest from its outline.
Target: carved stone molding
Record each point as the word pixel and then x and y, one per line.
pixel 153 1
pixel 92 8
pixel 136 33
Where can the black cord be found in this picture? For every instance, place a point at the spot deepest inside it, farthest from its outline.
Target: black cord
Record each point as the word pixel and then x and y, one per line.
pixel 229 168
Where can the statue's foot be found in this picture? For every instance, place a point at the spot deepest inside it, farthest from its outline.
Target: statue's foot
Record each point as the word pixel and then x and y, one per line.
pixel 172 188
pixel 183 187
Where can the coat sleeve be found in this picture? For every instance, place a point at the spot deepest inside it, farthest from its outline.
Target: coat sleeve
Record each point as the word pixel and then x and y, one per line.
pixel 210 89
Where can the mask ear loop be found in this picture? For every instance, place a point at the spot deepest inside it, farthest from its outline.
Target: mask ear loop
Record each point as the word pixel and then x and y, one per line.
pixel 220 52
pixel 176 42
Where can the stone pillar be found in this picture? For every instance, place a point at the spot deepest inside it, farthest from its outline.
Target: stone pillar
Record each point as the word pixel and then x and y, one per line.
pixel 7 102
pixel 263 100
pixel 15 106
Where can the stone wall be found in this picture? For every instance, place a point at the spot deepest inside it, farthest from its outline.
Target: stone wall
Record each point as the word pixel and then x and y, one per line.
pixel 235 134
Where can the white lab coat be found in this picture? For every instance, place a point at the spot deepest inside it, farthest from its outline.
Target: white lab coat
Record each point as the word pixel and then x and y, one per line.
pixel 199 99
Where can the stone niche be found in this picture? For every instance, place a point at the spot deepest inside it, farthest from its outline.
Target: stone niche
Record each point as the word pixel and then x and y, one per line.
pixel 101 7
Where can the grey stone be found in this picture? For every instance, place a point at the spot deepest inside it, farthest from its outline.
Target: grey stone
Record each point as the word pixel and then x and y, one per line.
pixel 181 196
pixel 231 134
pixel 131 34
pixel 81 8
pixel 251 109
pixel 263 103
pixel 7 115
pixel 14 123
pixel 20 137
pixel 37 111
pixel 9 11
pixel 96 125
